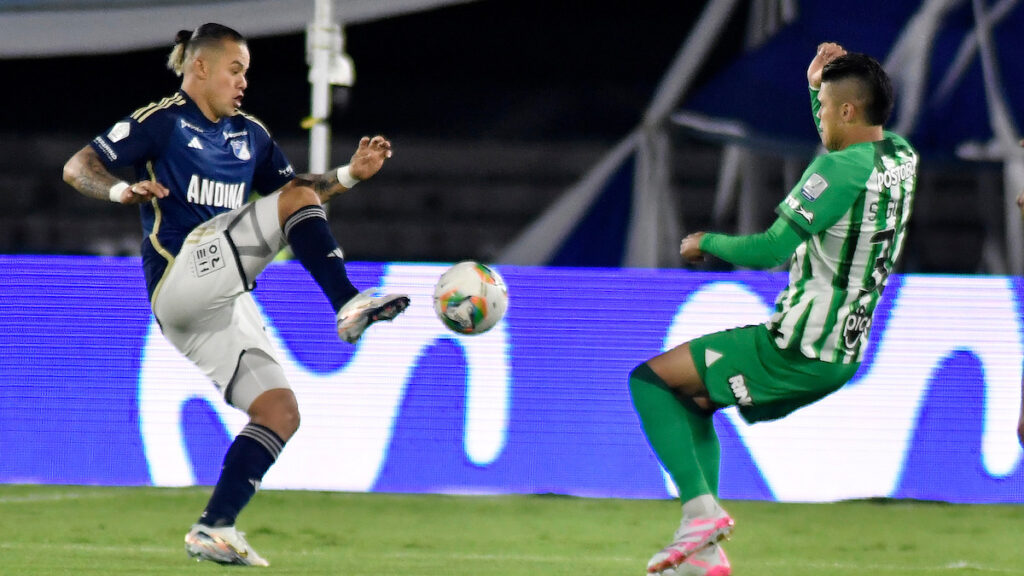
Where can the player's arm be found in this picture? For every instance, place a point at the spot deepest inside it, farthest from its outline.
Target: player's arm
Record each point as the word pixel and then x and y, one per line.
pixel 827 52
pixel 367 160
pixel 86 173
pixel 765 250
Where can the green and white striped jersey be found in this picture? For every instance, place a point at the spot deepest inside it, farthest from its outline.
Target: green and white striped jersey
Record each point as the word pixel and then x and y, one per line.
pixel 851 207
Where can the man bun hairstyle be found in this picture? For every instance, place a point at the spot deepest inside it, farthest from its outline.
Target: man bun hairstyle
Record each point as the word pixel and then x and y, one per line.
pixel 188 42
pixel 875 86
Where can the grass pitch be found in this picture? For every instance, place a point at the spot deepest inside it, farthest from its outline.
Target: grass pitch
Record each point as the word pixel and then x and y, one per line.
pixel 52 530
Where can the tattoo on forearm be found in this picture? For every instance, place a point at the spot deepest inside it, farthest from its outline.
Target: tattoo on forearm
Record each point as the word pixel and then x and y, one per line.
pixel 93 180
pixel 325 185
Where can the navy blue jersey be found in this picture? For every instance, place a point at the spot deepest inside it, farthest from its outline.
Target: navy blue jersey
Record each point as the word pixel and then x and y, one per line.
pixel 209 168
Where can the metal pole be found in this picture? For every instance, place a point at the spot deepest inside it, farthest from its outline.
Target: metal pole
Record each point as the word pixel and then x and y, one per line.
pixel 318 38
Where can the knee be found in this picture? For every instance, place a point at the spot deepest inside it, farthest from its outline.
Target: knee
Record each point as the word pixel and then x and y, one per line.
pixel 293 199
pixel 278 410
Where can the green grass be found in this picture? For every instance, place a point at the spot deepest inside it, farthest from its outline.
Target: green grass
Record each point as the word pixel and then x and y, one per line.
pixel 52 530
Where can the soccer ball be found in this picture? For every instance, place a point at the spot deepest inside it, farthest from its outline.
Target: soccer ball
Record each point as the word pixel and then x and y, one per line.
pixel 470 298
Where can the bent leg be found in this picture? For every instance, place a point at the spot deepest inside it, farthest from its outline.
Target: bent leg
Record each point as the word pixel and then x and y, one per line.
pixel 305 226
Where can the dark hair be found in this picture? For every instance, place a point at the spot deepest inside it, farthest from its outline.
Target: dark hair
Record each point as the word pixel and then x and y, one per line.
pixel 186 42
pixel 874 83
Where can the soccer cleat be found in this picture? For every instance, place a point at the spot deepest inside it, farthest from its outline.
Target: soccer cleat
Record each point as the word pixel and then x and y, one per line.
pixel 223 545
pixel 365 309
pixel 693 536
pixel 711 561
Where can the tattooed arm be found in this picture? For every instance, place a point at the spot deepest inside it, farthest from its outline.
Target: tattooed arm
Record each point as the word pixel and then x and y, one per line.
pixel 87 174
pixel 367 160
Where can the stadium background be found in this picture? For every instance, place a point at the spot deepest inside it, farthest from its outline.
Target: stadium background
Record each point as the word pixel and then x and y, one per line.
pixel 495 109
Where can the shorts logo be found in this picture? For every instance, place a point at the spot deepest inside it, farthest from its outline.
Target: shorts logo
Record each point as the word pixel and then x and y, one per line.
pixel 119 132
pixel 739 390
pixel 207 258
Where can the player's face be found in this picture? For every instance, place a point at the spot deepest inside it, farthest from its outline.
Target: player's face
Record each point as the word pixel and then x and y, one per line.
pixel 830 117
pixel 226 82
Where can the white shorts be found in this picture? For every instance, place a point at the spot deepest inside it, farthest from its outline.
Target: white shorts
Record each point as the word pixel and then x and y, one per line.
pixel 203 302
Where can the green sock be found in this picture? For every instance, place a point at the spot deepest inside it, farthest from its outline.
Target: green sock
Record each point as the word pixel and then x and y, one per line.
pixel 683 438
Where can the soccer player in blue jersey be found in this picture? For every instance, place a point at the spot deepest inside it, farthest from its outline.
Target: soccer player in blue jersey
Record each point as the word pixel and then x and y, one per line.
pixel 197 160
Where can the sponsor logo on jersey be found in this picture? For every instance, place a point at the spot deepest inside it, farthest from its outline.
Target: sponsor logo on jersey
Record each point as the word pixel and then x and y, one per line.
pixel 795 205
pixel 336 253
pixel 107 150
pixel 897 174
pixel 813 187
pixel 855 326
pixel 189 125
pixel 230 135
pixel 739 390
pixel 287 171
pixel 119 132
pixel 212 193
pixel 240 148
pixel 194 143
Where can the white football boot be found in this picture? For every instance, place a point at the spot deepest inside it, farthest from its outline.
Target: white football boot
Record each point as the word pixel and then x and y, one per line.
pixel 223 545
pixel 365 309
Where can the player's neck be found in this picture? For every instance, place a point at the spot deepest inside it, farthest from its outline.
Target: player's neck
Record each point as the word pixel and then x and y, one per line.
pixel 196 96
pixel 859 134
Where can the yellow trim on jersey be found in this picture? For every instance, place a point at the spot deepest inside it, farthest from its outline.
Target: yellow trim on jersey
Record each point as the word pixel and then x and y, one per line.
pixel 154 240
pixel 141 114
pixel 256 121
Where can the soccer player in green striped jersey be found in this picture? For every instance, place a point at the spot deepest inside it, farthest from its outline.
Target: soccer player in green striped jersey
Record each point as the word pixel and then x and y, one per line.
pixel 842 228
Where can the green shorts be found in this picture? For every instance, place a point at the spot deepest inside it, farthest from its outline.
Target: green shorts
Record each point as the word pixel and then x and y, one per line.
pixel 743 367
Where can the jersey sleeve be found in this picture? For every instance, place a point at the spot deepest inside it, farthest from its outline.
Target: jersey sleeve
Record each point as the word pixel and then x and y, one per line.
pixel 273 170
pixel 765 250
pixel 815 107
pixel 130 141
pixel 827 189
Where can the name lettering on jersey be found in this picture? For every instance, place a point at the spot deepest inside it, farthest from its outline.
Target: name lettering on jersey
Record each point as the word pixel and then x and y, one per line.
pixel 795 205
pixel 739 390
pixel 107 150
pixel 195 143
pixel 212 193
pixel 813 187
pixel 230 135
pixel 119 132
pixel 190 126
pixel 897 174
pixel 240 148
pixel 890 211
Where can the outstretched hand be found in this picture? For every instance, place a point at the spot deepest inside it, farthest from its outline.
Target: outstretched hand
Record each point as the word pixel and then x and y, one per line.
pixel 689 248
pixel 827 52
pixel 369 156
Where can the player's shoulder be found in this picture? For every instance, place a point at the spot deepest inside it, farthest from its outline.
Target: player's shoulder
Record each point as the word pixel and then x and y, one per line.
pixel 161 110
pixel 253 123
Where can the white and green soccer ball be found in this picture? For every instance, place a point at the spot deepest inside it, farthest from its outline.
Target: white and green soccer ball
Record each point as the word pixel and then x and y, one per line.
pixel 470 298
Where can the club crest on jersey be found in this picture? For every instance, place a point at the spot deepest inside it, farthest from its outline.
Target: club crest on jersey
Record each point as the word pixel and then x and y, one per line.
pixel 240 148
pixel 119 132
pixel 813 187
